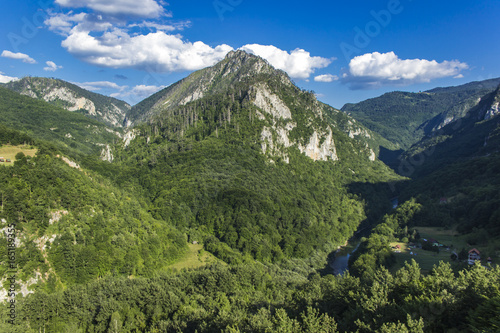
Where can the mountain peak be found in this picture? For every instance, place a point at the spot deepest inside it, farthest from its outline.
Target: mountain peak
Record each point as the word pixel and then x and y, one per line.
pixel 245 64
pixel 237 67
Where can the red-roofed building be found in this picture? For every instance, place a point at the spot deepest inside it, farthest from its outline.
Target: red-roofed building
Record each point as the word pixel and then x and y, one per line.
pixel 474 255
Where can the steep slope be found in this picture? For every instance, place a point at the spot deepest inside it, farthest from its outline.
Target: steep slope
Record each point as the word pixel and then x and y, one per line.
pixel 404 118
pixel 236 151
pixel 63 94
pixel 71 226
pixel 72 133
pixel 473 135
pixel 455 175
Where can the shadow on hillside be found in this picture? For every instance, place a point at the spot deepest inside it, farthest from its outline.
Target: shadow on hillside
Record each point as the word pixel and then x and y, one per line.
pixel 379 200
pixel 390 157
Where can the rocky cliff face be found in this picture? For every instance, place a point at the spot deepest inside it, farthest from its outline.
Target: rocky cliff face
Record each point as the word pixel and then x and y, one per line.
pixel 286 116
pixel 494 108
pixel 73 98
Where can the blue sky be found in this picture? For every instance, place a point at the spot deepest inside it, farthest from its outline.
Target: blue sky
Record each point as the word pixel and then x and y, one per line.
pixel 344 51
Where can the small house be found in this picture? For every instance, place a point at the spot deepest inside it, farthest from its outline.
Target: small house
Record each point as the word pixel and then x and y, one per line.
pixel 7 160
pixel 2 159
pixel 474 255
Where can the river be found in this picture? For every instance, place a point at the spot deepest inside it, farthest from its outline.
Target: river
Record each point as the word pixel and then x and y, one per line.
pixel 341 260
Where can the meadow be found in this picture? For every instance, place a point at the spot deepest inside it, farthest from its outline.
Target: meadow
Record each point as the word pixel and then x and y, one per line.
pixel 10 152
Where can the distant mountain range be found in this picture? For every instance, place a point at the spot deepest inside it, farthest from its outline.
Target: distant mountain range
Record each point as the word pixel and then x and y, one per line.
pixel 404 118
pixel 472 133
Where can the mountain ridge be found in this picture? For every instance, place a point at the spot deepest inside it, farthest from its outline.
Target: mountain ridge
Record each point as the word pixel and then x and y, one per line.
pixel 73 98
pixel 404 118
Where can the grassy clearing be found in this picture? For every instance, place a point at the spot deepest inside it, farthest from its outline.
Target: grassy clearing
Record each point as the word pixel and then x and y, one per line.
pixel 10 152
pixel 194 258
pixel 427 259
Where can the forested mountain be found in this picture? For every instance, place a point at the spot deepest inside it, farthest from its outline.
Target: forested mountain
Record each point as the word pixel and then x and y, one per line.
pixel 460 163
pixel 404 118
pixel 70 132
pixel 237 160
pixel 264 167
pixel 71 97
pixel 472 135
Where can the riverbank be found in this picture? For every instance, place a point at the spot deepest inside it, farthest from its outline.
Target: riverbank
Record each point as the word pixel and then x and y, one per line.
pixel 340 261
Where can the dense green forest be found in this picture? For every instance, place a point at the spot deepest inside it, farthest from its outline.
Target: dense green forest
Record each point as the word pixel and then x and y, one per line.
pixel 72 133
pixel 75 226
pixel 259 298
pixel 203 169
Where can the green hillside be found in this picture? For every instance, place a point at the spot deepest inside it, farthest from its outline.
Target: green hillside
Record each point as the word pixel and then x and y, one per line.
pixel 207 167
pixel 71 132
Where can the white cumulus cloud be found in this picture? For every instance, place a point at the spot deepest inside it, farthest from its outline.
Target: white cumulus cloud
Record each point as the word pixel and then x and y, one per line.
pixel 63 23
pixel 298 63
pixel 51 66
pixel 158 52
pixel 161 27
pixel 102 37
pixel 326 78
pixel 5 78
pixel 373 70
pixel 18 56
pixel 143 8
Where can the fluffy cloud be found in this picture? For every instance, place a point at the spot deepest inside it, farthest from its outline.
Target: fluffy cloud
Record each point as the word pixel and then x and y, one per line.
pixel 326 78
pixel 18 56
pixel 373 70
pixel 51 66
pixel 63 23
pixel 158 52
pixel 298 64
pixel 102 37
pixel 144 8
pixel 5 78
